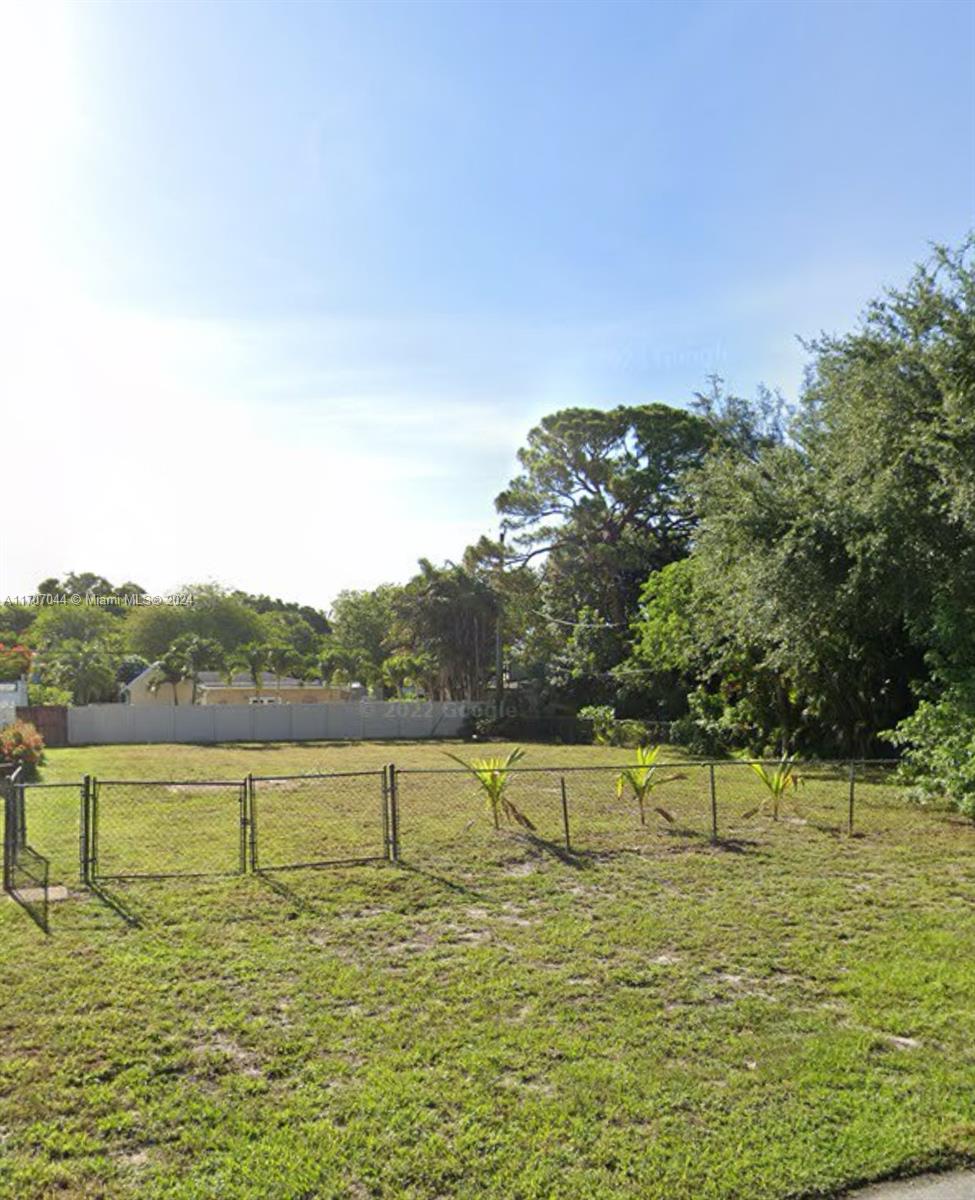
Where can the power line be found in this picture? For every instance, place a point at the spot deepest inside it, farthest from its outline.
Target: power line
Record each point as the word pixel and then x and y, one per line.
pixel 581 624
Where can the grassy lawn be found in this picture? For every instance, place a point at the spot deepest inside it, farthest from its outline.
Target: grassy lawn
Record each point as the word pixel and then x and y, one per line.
pixel 646 1015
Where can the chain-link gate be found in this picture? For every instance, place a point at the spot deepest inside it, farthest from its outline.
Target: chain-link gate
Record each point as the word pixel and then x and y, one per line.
pixel 53 814
pixel 26 873
pixel 141 828
pixel 318 820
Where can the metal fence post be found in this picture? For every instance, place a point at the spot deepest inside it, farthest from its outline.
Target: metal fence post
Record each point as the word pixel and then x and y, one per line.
pixel 84 849
pixel 250 823
pixel 9 845
pixel 714 804
pixel 565 813
pixel 92 828
pixel 21 819
pixel 384 809
pixel 393 791
pixel 853 778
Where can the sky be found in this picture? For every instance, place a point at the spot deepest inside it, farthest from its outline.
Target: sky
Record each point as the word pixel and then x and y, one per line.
pixel 284 286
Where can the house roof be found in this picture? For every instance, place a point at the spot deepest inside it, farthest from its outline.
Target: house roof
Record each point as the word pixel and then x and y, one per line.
pixel 244 680
pixel 241 679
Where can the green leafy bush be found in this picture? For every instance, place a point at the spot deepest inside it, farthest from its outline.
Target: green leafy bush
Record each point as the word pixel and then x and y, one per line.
pixel 556 729
pixel 608 730
pixel 22 746
pixel 603 717
pixel 939 759
pixel 630 732
pixel 47 693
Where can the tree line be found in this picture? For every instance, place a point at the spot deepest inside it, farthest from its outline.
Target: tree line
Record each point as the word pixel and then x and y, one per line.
pixel 777 577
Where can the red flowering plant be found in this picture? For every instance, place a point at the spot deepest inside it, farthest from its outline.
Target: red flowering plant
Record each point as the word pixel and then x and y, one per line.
pixel 14 662
pixel 22 746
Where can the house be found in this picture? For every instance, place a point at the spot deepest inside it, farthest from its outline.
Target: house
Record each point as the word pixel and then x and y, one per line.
pixel 12 697
pixel 215 688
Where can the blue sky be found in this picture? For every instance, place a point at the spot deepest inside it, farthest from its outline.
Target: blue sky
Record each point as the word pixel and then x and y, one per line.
pixel 287 284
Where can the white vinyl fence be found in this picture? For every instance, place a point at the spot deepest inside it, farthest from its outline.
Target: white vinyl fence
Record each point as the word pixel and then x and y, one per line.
pixel 336 721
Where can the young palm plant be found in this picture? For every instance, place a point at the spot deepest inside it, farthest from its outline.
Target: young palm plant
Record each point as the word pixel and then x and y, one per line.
pixel 494 775
pixel 778 782
pixel 642 778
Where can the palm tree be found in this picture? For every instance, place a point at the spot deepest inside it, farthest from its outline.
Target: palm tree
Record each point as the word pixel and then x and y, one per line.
pixel 641 778
pixel 777 782
pixel 254 656
pixel 85 669
pixel 450 614
pixel 281 659
pixel 199 654
pixel 170 669
pixel 494 775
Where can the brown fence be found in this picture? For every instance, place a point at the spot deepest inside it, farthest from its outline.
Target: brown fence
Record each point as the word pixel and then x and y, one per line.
pixel 50 721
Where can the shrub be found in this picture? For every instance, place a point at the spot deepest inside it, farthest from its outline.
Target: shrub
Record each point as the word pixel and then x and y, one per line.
pixel 603 717
pixel 630 732
pixel 939 756
pixel 14 662
pixel 608 731
pixel 22 746
pixel 47 693
pixel 525 728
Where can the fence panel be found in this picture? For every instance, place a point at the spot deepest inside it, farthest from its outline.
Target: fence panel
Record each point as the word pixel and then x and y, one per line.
pixel 317 820
pixel 25 872
pixel 885 806
pixel 443 816
pixel 748 809
pixel 52 824
pixel 605 816
pixel 448 815
pixel 152 828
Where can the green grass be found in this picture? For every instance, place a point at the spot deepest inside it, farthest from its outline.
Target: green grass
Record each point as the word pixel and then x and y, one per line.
pixel 651 1016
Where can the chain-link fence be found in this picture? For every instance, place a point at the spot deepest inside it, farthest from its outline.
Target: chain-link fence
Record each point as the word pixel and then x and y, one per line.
pixel 149 828
pixel 25 872
pixel 455 818
pixel 446 813
pixel 449 814
pixel 318 820
pixel 52 815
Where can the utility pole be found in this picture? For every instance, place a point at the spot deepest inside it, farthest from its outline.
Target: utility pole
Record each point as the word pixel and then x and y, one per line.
pixel 498 648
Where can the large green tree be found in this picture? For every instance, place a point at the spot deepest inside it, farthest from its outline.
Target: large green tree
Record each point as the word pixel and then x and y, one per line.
pixel 450 616
pixel 835 565
pixel 212 613
pixel 601 497
pixel 56 624
pixel 85 669
pixel 361 635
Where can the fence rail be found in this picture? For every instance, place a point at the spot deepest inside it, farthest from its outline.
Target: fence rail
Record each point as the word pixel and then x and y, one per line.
pixel 93 830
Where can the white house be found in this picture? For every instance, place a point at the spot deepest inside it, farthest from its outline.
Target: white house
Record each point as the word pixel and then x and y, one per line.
pixel 12 697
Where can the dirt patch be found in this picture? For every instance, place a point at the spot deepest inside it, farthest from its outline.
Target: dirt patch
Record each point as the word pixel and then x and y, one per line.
pixel 36 895
pixel 245 1061
pixel 521 868
pixel 902 1043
